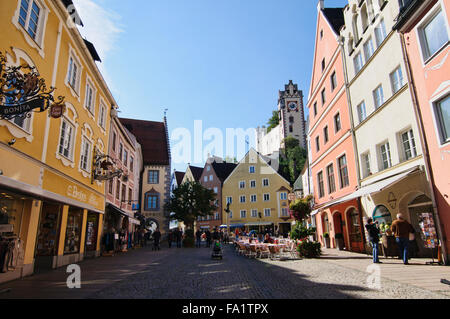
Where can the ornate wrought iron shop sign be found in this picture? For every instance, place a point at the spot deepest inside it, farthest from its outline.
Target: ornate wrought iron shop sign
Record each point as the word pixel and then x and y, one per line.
pixel 22 91
pixel 104 168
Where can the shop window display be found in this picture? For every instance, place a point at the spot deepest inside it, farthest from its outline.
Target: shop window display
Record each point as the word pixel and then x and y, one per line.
pixel 11 246
pixel 73 231
pixel 47 241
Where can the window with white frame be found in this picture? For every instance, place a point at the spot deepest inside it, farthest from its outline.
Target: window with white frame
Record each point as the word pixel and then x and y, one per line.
pixel 358 62
pixel 216 190
pixel 229 200
pixel 433 34
pixel 368 49
pixel 231 214
pixel 378 96
pixel 380 33
pixel 365 164
pixel 102 115
pixel 74 73
pixel 325 134
pixel 283 196
pixel 125 158
pixel 284 212
pixel 252 169
pixel 323 96
pixel 442 115
pixel 242 199
pixel 331 181
pixel 90 97
pixel 265 182
pixel 242 184
pixel 253 198
pixel 396 80
pixel 385 156
pixel 343 171
pixel 252 184
pixel 211 178
pixel 216 216
pixel 266 197
pixel 86 149
pixel 362 113
pixel 30 16
pixel 333 81
pixel 66 140
pixel 254 213
pixel 267 212
pixel 337 123
pixel 409 144
pixel 131 164
pixel 317 143
pixel 208 168
pixel 205 178
pixel 120 151
pixel 243 214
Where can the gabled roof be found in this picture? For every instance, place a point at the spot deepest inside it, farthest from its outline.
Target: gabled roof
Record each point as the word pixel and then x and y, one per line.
pixel 223 170
pixel 179 177
pixel 335 17
pixel 153 139
pixel 196 172
pixel 298 184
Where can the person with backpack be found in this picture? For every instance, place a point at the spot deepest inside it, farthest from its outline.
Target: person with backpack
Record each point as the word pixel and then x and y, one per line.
pixel 374 238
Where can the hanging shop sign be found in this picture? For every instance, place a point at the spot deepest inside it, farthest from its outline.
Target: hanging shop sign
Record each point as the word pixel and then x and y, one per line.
pixel 104 168
pixel 22 91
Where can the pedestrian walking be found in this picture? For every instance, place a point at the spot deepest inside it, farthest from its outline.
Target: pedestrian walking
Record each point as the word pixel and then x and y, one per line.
pixel 402 229
pixel 156 238
pixel 216 234
pixel 374 238
pixel 170 238
pixel 179 236
pixel 208 238
pixel 198 237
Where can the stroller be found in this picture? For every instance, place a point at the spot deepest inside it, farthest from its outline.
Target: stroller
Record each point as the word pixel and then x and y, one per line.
pixel 217 250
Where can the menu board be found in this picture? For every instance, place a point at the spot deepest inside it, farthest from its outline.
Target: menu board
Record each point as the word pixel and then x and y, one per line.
pixel 428 230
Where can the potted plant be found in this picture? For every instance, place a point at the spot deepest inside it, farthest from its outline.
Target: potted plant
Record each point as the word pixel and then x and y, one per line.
pixel 340 241
pixel 309 249
pixel 326 236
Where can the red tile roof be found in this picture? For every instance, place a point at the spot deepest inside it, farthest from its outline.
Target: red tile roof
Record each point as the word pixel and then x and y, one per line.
pixel 153 138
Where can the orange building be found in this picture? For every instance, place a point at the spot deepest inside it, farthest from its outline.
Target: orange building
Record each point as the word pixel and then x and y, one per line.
pixel 424 27
pixel 332 159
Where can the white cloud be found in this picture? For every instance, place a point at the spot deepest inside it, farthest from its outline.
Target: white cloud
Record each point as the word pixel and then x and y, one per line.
pixel 102 27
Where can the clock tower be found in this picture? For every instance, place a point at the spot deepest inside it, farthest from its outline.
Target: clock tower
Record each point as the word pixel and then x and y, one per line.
pixel 291 113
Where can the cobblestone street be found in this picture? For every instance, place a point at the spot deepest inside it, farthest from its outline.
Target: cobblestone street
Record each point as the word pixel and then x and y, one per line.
pixel 190 273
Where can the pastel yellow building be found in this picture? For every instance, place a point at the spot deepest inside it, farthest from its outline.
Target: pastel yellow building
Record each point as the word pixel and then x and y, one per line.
pixel 258 196
pixel 50 205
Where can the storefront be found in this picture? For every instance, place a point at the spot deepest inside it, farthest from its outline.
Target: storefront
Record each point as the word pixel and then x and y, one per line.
pixel 120 231
pixel 14 208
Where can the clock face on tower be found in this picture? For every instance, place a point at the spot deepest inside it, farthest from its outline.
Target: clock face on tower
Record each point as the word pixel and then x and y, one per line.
pixel 293 106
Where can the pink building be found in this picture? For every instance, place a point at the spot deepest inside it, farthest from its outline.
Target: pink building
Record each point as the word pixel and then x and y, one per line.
pixel 424 27
pixel 333 165
pixel 122 194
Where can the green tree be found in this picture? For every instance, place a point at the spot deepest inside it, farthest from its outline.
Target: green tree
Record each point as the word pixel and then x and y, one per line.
pixel 273 121
pixel 189 201
pixel 292 159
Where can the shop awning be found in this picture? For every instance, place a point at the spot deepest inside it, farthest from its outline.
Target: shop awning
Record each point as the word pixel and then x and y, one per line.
pixel 204 227
pixel 237 225
pixel 373 188
pixel 119 211
pixel 258 224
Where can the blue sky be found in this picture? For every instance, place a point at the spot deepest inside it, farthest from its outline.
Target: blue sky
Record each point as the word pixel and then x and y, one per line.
pixel 221 62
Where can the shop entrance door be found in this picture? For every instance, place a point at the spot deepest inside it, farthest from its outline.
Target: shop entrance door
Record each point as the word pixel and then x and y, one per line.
pixel 338 229
pixel 354 231
pixel 47 237
pixel 421 217
pixel 91 235
pixel 284 229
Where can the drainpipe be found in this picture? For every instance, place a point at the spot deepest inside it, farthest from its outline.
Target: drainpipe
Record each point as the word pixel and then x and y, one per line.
pixel 424 144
